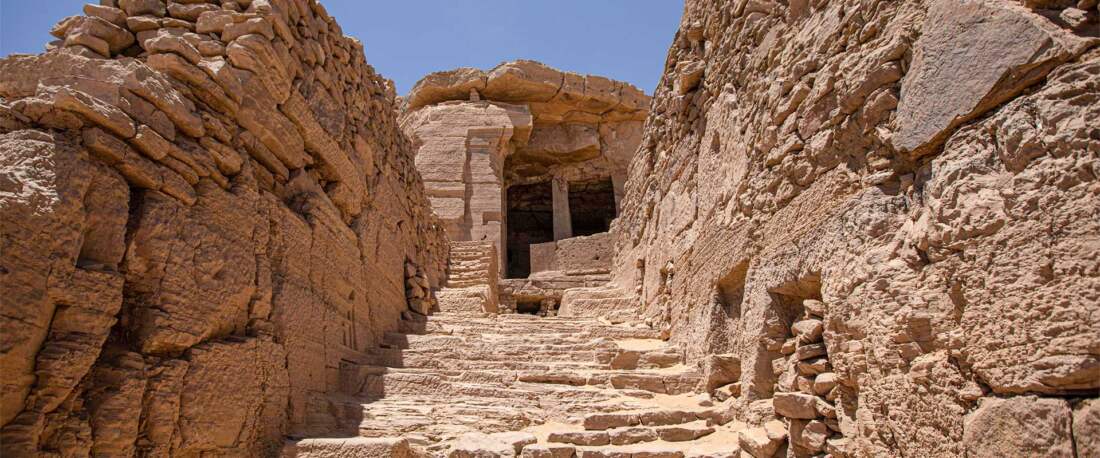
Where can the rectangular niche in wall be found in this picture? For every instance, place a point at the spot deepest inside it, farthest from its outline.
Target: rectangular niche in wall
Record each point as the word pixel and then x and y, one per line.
pixel 530 220
pixel 591 206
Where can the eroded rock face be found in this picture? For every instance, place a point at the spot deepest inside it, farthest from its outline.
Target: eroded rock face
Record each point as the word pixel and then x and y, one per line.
pixel 207 213
pixel 922 176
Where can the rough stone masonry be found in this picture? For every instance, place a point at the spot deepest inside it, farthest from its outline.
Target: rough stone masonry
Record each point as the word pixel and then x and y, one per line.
pixel 852 228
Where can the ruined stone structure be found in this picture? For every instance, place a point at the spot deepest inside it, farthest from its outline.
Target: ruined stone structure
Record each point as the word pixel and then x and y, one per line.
pixel 850 228
pixel 526 157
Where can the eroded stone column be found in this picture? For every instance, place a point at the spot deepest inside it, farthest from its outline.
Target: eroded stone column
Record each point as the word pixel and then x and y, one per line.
pixel 563 224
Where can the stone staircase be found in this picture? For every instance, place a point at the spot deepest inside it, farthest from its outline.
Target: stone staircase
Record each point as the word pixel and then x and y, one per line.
pixel 461 385
pixel 471 285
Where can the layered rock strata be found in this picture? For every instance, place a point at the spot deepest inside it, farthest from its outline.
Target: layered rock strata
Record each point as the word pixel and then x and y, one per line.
pixel 206 211
pixel 925 174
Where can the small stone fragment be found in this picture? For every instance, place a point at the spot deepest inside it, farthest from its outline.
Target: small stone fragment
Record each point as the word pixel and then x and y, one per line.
pixel 808 331
pixel 824 383
pixel 580 437
pixel 795 405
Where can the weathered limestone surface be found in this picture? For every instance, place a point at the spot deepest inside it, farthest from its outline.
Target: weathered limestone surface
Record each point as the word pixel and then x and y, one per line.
pixel 887 211
pixel 206 213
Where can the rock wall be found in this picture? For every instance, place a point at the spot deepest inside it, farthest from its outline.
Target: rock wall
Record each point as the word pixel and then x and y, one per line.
pixel 206 211
pixel 923 175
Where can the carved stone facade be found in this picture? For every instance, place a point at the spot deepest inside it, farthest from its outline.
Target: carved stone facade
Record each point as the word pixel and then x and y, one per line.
pixel 526 157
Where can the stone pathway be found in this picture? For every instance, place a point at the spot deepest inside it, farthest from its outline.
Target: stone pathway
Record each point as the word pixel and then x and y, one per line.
pixel 517 385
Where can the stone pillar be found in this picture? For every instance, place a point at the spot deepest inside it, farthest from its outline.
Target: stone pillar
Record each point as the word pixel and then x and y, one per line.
pixel 563 224
pixel 486 199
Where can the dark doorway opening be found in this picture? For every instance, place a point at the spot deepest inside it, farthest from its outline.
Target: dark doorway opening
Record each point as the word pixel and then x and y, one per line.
pixel 528 307
pixel 530 220
pixel 591 206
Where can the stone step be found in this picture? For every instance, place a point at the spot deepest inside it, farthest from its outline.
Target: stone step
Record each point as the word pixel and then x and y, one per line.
pixel 591 332
pixel 478 299
pixel 549 342
pixel 463 284
pixel 460 273
pixel 470 255
pixel 485 382
pixel 538 357
pixel 510 319
pixel 447 361
pixel 476 266
pixel 716 415
pixel 457 375
pixel 469 262
pixel 482 246
pixel 444 420
pixel 653 450
pixel 571 402
pixel 532 359
pixel 455 280
pixel 422 384
pixel 456 360
pixel 468 273
pixel 406 351
pixel 634 434
pixel 347 446
pixel 523 327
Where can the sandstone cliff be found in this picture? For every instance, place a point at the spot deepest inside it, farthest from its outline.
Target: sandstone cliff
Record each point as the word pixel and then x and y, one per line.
pixel 207 213
pixel 917 181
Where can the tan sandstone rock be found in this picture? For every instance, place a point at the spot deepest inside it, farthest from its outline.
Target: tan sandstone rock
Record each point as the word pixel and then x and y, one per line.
pixel 176 281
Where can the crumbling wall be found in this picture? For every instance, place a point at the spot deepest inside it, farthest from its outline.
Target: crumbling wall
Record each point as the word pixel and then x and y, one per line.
pixel 926 172
pixel 206 211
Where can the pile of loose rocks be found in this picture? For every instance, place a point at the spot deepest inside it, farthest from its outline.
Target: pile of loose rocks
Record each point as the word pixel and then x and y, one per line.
pixel 805 399
pixel 807 388
pixel 418 289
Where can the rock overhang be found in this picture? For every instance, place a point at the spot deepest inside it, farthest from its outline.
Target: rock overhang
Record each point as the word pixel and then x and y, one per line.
pixel 553 96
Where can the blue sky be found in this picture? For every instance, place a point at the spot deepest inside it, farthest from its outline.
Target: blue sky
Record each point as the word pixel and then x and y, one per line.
pixel 407 39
